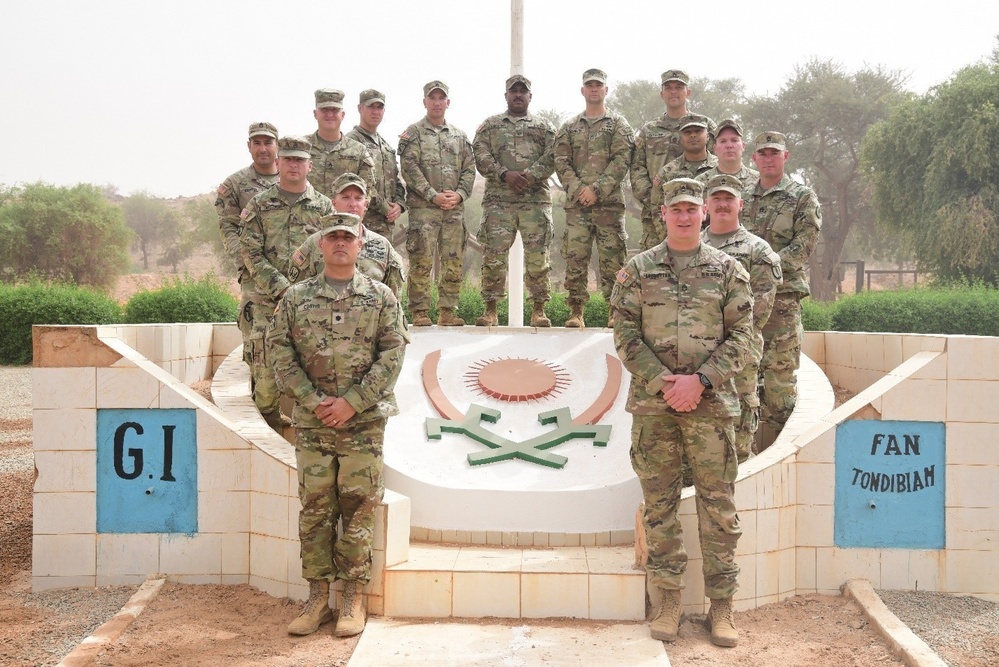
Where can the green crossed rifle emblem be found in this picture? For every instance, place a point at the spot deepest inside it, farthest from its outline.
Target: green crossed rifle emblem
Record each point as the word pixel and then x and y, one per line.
pixel 532 450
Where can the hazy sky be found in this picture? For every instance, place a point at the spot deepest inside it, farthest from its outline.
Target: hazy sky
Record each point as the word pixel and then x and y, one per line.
pixel 158 96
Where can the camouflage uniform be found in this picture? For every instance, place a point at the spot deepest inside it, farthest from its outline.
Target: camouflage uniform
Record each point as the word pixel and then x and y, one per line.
pixel 329 160
pixel 435 159
pixel 679 167
pixel 657 143
pixel 763 266
pixel 234 195
pixel 387 181
pixel 272 231
pixel 378 260
pixel 593 152
pixel 788 217
pixel 669 320
pixel 353 343
pixel 509 143
pixel 746 175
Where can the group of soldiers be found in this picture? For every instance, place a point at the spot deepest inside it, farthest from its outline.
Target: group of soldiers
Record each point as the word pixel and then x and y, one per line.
pixel 707 318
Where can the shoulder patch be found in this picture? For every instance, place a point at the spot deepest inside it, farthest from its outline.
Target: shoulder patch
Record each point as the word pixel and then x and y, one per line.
pixel 298 257
pixel 244 214
pixel 223 190
pixel 625 278
pixel 406 136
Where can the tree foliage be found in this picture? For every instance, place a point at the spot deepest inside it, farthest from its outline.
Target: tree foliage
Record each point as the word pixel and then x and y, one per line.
pixel 70 234
pixel 825 112
pixel 936 174
pixel 145 214
pixel 638 101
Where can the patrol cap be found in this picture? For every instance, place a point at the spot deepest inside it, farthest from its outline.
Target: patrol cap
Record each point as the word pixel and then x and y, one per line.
pixel 771 140
pixel 724 183
pixel 262 129
pixel 675 75
pixel 294 147
pixel 370 96
pixel 329 98
pixel 693 120
pixel 518 78
pixel 683 189
pixel 730 123
pixel 349 180
pixel 434 85
pixel 595 75
pixel 336 222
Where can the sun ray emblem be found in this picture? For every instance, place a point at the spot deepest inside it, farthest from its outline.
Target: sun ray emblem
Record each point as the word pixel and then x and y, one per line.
pixel 517 379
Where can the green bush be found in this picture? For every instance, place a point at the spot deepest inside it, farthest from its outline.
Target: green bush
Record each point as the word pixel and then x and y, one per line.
pixel 817 315
pixel 183 300
pixel 43 303
pixel 596 313
pixel 959 310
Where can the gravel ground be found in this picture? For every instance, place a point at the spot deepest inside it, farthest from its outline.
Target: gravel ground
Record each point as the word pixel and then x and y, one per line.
pixel 40 628
pixel 963 630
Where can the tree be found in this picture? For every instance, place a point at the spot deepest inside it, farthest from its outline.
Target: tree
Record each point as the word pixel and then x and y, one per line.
pixel 936 174
pixel 58 233
pixel 717 98
pixel 825 113
pixel 203 223
pixel 638 101
pixel 144 215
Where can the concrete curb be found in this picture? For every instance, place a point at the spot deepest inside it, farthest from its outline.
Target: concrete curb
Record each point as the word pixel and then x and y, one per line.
pixel 904 642
pixel 85 653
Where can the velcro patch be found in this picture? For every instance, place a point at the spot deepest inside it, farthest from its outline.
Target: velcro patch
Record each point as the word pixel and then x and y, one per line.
pixel 223 190
pixel 624 278
pixel 298 257
pixel 243 214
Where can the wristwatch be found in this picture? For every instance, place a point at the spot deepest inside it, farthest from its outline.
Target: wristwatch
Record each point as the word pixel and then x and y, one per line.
pixel 704 380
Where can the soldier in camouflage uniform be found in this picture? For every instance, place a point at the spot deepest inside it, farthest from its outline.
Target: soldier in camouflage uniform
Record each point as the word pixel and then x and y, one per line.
pixel 337 346
pixel 724 232
pixel 275 223
pixel 729 147
pixel 592 154
pixel 513 151
pixel 233 196
pixel 388 183
pixel 786 214
pixel 334 153
pixel 695 158
pixel 683 327
pixel 657 143
pixel 378 259
pixel 439 169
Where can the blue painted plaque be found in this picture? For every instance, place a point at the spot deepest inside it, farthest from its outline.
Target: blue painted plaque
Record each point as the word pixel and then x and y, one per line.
pixel 147 471
pixel 890 484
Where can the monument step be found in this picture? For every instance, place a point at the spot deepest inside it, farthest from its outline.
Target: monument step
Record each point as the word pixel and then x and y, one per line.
pixel 441 581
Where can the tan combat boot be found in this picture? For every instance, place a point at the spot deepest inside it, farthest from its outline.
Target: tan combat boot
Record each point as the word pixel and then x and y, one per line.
pixel 575 320
pixel 538 317
pixel 723 632
pixel 666 624
pixel 449 318
pixel 489 318
pixel 276 420
pixel 316 611
pixel 351 620
pixel 420 319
